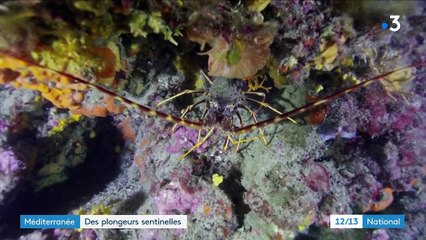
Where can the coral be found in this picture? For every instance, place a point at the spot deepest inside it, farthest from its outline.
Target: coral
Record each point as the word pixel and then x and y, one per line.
pixel 9 163
pixel 271 195
pixel 253 84
pixel 382 120
pixel 57 88
pixel 88 49
pixel 142 23
pixel 56 167
pixel 212 213
pixel 98 8
pixel 217 179
pixel 277 71
pixel 385 200
pixel 398 82
pixel 239 44
pixel 177 196
pixel 16 27
pixel 73 54
pixel 301 31
pixel 380 234
pixel 316 177
pixel 257 5
pixel 59 234
pixel 96 111
pixel 4 124
pixel 109 106
pixel 328 55
pixel 128 132
pixel 100 209
pixel 239 57
pixel 11 174
pixel 257 228
pixel 316 115
pixel 62 123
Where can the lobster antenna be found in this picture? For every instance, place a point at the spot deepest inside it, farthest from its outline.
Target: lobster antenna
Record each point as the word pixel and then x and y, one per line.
pixel 207 77
pixel 149 111
pixel 322 101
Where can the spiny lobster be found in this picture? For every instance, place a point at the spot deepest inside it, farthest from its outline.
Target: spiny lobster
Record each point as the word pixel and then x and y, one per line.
pixel 222 104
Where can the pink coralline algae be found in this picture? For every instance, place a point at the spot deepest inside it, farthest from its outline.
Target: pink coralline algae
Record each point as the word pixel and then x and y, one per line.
pixel 383 119
pixel 185 139
pixel 9 163
pixel 380 234
pixel 316 177
pixel 260 206
pixel 4 125
pixel 172 199
pixel 59 234
pixel 405 119
pixel 177 196
pixel 391 163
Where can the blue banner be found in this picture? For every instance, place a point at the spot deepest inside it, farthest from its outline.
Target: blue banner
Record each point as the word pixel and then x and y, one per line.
pixel 383 221
pixel 49 221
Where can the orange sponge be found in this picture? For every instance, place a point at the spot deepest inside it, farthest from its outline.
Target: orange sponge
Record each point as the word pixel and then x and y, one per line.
pixel 62 91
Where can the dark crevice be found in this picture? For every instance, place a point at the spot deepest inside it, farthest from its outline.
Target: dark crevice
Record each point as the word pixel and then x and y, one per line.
pixel 235 191
pixel 100 167
pixel 132 204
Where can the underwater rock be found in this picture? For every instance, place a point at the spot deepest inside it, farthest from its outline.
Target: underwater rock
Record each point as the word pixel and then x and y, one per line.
pixel 175 196
pixel 11 174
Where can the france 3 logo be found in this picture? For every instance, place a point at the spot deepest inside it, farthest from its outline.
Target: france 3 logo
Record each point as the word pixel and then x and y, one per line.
pixel 396 25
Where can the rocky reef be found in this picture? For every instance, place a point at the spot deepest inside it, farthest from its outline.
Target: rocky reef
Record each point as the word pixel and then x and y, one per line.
pixel 90 122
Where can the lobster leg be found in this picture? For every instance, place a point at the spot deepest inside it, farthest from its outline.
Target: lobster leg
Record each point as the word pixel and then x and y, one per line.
pixel 207 78
pixel 187 109
pixel 260 94
pixel 184 92
pixel 253 115
pixel 238 142
pixel 264 104
pixel 199 144
pixel 240 118
pixel 225 146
